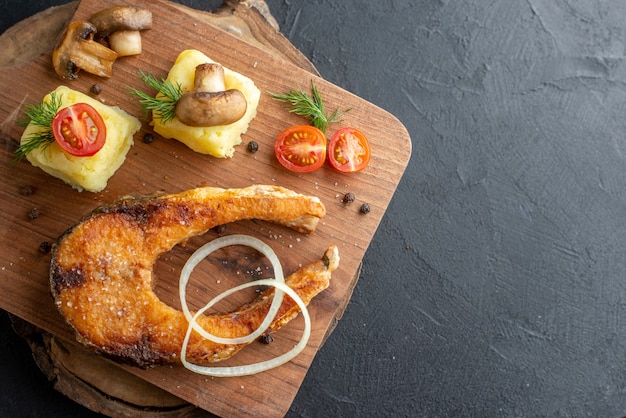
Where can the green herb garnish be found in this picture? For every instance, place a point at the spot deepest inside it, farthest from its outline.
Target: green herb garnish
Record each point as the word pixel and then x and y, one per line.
pixel 40 115
pixel 164 104
pixel 310 106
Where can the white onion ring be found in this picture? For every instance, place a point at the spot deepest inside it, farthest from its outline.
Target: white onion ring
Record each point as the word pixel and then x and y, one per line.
pixel 235 371
pixel 207 249
pixel 281 288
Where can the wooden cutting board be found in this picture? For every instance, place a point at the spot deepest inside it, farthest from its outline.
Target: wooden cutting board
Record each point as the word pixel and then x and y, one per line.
pixel 50 206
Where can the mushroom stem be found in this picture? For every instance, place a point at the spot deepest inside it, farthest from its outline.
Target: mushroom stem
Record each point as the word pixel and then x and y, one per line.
pixel 210 78
pixel 125 42
pixel 94 58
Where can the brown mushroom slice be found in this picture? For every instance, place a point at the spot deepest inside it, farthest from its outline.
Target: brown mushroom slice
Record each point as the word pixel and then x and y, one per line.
pixel 210 104
pixel 122 26
pixel 118 18
pixel 78 51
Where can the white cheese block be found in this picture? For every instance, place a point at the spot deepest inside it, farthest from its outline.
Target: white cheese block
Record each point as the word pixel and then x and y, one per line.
pixel 218 141
pixel 87 173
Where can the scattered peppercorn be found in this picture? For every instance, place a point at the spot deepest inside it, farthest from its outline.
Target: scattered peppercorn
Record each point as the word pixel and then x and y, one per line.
pixel 96 89
pixel 33 214
pixel 220 229
pixel 256 275
pixel 27 190
pixel 148 138
pixel 349 197
pixel 253 146
pixel 267 339
pixel 45 247
pixel 365 208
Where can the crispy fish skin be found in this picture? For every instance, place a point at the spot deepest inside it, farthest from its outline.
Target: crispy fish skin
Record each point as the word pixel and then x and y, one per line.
pixel 101 271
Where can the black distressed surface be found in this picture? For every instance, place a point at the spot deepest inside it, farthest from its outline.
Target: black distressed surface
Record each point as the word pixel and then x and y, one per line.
pixel 496 283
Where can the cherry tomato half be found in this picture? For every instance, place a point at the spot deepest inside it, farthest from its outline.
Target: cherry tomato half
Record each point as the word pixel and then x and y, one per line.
pixel 349 150
pixel 301 148
pixel 79 130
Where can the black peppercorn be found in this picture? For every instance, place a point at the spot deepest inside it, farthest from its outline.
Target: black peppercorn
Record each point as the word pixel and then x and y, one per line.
pixel 220 229
pixel 33 214
pixel 96 89
pixel 365 208
pixel 26 190
pixel 253 146
pixel 45 247
pixel 349 197
pixel 148 138
pixel 266 338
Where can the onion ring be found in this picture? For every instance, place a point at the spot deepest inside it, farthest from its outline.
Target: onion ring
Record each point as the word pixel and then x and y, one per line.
pixel 236 371
pixel 203 252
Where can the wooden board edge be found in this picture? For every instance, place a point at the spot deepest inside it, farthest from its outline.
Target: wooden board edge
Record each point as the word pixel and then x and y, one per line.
pixel 340 311
pixel 20 43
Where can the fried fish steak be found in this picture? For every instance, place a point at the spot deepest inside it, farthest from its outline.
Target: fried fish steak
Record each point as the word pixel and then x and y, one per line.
pixel 101 271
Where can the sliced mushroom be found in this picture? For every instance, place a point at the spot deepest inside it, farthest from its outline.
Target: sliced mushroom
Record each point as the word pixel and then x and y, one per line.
pixel 118 18
pixel 77 50
pixel 210 104
pixel 122 26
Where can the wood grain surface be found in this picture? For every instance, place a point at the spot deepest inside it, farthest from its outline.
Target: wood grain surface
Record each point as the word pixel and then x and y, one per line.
pixel 169 166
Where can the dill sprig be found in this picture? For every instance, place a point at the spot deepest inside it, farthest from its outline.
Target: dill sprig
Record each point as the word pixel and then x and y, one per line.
pixel 164 104
pixel 310 106
pixel 40 115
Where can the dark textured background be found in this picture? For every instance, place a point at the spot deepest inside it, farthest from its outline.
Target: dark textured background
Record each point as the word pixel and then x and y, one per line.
pixel 496 283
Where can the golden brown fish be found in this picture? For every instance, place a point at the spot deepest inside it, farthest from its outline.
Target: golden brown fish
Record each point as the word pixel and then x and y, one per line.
pixel 101 271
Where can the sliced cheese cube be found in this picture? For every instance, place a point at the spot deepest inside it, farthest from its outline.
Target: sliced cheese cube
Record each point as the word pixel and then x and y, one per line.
pixel 218 141
pixel 87 173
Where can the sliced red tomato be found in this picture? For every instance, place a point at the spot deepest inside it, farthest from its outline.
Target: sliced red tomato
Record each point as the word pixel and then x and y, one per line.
pixel 79 130
pixel 301 148
pixel 349 150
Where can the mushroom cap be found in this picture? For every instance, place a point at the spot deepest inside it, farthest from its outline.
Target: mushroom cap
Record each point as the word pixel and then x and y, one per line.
pixel 202 108
pixel 118 18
